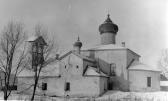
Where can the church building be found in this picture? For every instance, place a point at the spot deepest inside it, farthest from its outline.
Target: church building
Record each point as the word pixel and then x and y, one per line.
pixel 96 70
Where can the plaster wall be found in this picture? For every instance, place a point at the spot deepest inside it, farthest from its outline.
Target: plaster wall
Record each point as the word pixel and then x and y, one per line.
pixel 71 65
pixel 138 80
pixel 55 86
pixel 119 57
pixel 103 85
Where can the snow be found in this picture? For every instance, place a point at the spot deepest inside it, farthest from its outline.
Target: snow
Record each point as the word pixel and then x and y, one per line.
pixel 109 96
pixel 134 96
pixel 32 38
pixel 84 57
pixel 136 65
pixel 93 71
pixel 103 47
pixel 163 83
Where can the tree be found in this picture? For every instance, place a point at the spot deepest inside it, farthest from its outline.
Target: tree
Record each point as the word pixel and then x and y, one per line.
pixel 163 62
pixel 50 49
pixel 12 56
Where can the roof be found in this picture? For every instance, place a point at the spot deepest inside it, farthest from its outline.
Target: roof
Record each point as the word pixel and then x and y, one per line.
pixel 136 65
pixel 84 57
pixel 104 47
pixel 38 39
pixel 32 38
pixel 92 71
pixel 79 55
pixel 108 26
pixel 107 47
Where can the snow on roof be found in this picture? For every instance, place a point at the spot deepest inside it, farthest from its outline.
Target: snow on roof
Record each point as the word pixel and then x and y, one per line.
pixel 136 65
pixel 102 47
pixel 32 38
pixel 84 57
pixel 92 71
pixel 79 55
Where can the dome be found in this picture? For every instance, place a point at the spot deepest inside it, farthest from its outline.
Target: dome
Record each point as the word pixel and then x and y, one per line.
pixel 108 26
pixel 78 43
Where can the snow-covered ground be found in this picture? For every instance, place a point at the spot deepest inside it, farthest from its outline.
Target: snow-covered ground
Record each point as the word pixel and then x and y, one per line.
pixel 109 96
pixel 133 96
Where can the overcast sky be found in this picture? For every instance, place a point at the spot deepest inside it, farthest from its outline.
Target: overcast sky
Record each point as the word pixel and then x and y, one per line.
pixel 142 23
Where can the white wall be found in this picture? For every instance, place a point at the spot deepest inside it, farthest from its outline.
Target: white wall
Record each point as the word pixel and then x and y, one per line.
pixel 103 84
pixel 85 86
pixel 138 80
pixel 119 57
pixel 79 85
pixel 71 62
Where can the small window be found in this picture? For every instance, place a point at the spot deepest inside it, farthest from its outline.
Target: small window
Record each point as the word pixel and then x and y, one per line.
pixel 44 86
pixel 148 81
pixel 65 66
pixel 67 86
pixel 113 69
pixel 77 66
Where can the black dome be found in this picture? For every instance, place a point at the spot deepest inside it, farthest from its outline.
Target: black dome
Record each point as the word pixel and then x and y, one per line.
pixel 78 43
pixel 108 26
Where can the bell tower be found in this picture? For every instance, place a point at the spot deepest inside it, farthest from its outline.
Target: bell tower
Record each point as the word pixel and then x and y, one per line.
pixel 108 31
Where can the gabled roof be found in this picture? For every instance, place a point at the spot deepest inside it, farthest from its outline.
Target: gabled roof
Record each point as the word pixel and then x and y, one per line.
pixel 84 57
pixel 32 38
pixel 136 65
pixel 92 71
pixel 38 39
pixel 107 47
pixel 79 55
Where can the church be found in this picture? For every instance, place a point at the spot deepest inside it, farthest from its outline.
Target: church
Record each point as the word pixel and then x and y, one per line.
pixel 96 70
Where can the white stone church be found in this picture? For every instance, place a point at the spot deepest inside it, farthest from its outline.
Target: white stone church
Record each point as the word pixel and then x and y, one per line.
pixel 94 71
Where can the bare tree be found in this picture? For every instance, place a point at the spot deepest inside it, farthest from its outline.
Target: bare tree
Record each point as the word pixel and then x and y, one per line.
pixel 163 62
pixel 12 56
pixel 50 49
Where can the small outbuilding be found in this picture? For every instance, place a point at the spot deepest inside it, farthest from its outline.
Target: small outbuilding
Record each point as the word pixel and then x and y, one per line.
pixel 143 77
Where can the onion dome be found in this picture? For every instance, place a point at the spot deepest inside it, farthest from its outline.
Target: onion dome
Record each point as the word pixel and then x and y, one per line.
pixel 108 26
pixel 78 43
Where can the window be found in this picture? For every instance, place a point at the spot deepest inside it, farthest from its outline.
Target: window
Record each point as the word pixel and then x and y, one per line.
pixel 148 81
pixel 77 66
pixel 44 86
pixel 113 69
pixel 67 86
pixel 65 66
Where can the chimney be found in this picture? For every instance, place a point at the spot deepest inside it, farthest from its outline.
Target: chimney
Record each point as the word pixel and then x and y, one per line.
pixel 57 56
pixel 123 44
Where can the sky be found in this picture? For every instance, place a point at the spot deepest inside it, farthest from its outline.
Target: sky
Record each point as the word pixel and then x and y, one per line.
pixel 142 23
